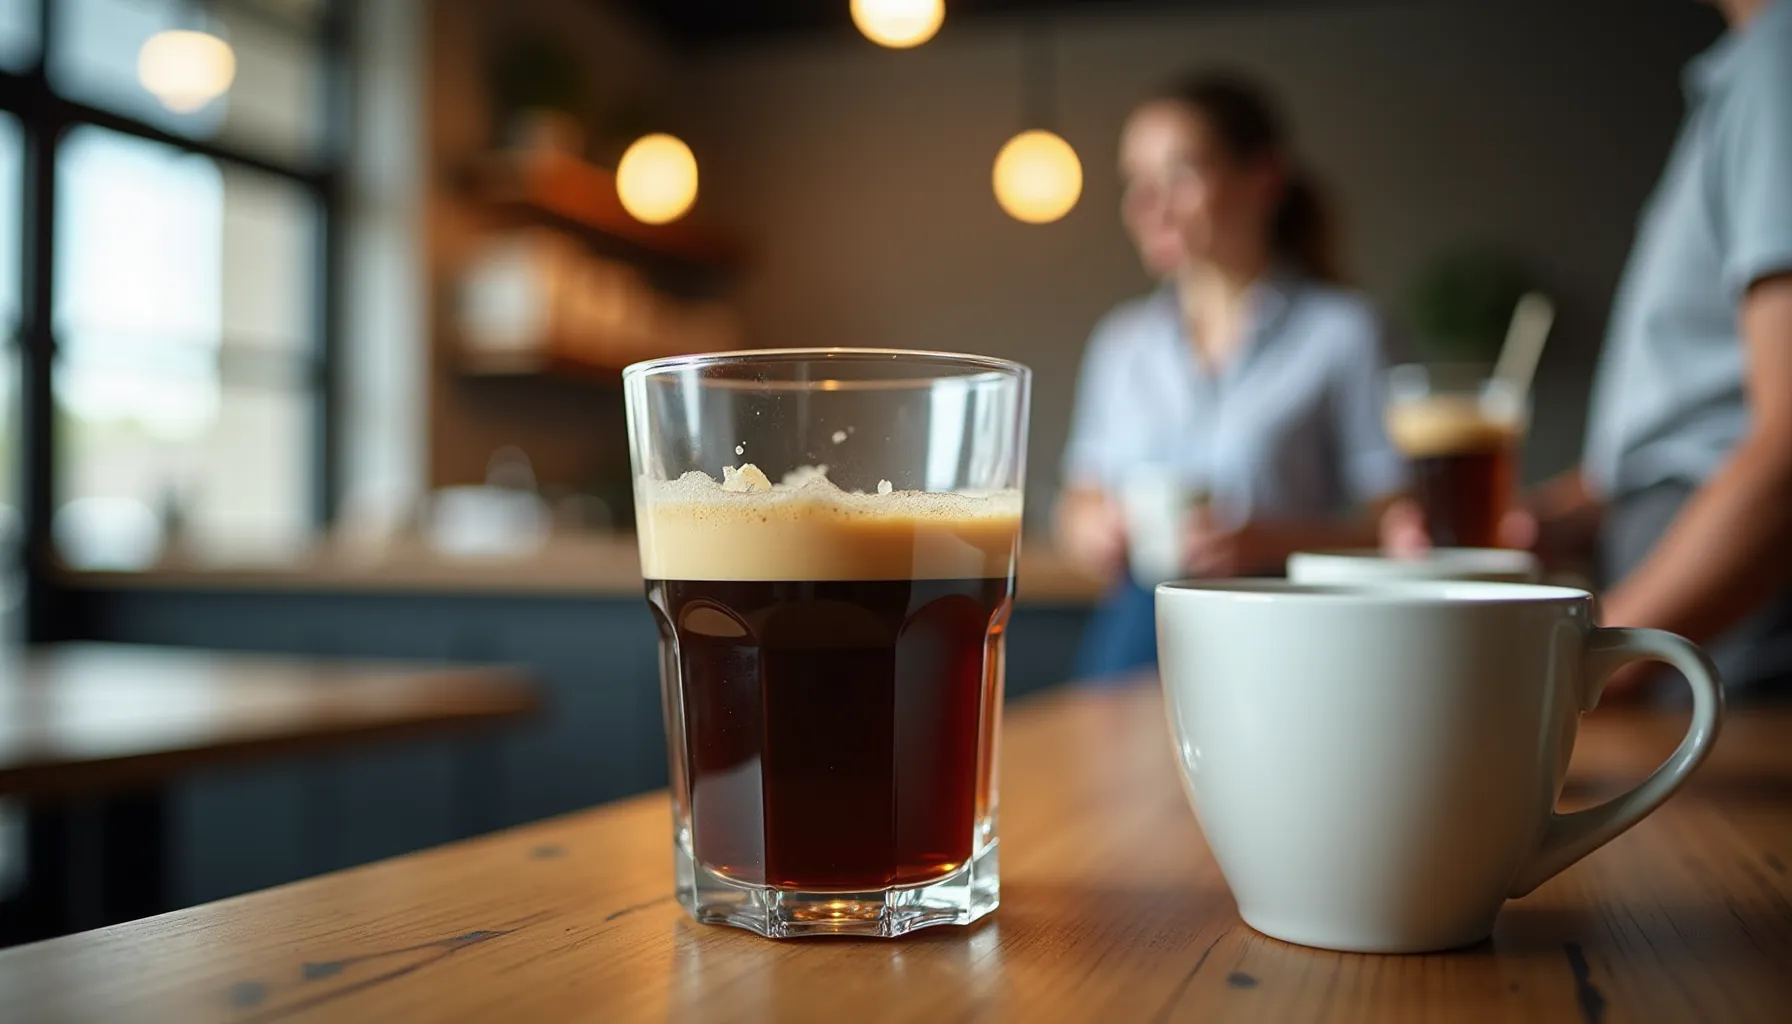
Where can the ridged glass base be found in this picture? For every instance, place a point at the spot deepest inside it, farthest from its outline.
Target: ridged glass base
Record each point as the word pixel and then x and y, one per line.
pixel 960 898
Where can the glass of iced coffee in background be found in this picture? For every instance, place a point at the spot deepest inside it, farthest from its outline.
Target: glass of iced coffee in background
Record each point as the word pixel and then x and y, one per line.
pixel 1463 434
pixel 828 538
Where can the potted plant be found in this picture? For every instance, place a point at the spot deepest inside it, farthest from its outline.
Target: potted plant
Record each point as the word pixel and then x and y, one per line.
pixel 1461 302
pixel 538 94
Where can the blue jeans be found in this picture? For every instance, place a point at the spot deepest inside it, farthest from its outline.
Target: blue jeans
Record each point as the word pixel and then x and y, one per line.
pixel 1121 635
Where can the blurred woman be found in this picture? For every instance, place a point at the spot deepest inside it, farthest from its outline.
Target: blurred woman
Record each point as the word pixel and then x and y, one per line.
pixel 1249 378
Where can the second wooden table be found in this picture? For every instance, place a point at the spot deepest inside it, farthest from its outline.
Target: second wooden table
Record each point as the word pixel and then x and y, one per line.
pixel 117 722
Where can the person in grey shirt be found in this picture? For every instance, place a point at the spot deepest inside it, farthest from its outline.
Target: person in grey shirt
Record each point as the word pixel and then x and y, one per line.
pixel 1686 483
pixel 1246 377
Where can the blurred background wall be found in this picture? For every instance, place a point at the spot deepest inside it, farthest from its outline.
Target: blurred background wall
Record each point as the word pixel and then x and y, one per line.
pixel 861 175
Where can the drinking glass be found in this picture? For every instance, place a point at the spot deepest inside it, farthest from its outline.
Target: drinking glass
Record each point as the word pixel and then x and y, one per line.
pixel 828 539
pixel 1463 434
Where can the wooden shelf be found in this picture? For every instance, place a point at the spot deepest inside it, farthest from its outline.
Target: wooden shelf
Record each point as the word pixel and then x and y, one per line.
pixel 535 364
pixel 569 189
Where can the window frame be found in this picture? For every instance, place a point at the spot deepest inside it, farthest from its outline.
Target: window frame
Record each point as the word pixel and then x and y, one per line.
pixel 45 118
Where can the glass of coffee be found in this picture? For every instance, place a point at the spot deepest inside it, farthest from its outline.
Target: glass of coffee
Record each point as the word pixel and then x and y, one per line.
pixel 828 538
pixel 1463 433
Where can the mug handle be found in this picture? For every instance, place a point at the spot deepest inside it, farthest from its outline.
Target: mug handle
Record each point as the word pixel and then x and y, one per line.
pixel 1569 837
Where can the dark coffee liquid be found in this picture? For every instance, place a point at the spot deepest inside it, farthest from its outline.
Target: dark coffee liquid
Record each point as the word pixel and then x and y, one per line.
pixel 831 731
pixel 1465 493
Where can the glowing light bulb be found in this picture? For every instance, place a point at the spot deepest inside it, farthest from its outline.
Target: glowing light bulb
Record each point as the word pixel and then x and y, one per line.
pixel 1037 177
pixel 657 179
pixel 898 24
pixel 186 69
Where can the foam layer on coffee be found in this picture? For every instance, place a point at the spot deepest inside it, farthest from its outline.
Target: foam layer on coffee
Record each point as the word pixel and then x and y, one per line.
pixel 806 528
pixel 1449 426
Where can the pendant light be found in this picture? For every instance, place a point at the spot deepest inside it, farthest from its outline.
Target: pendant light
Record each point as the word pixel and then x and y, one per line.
pixel 898 24
pixel 656 179
pixel 1037 176
pixel 186 68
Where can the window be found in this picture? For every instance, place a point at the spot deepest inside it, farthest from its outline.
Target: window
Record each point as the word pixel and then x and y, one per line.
pixel 183 353
pixel 18 34
pixel 183 319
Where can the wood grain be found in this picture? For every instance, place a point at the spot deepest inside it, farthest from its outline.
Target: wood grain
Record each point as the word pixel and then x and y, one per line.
pixel 1112 909
pixel 87 718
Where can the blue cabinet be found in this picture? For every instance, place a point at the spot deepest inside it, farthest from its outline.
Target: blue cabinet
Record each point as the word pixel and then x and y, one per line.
pixel 598 737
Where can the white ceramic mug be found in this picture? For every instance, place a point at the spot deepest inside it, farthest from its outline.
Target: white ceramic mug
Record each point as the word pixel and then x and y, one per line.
pixel 1156 505
pixel 1376 768
pixel 1367 565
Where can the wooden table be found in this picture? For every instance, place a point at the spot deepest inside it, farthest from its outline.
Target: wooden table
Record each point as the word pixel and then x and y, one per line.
pixel 116 722
pixel 1112 910
pixel 85 718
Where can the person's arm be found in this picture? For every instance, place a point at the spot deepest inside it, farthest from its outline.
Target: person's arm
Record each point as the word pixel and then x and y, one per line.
pixel 1558 522
pixel 1731 546
pixel 1090 531
pixel 1087 526
pixel 1264 547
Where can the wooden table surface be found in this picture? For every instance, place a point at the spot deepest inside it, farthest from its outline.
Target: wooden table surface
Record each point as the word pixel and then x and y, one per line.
pixel 1112 909
pixel 85 718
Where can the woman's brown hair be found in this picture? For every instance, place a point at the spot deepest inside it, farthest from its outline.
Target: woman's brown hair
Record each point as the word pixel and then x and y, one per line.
pixel 1249 128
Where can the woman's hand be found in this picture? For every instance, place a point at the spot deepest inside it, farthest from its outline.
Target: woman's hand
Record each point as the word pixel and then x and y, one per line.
pixel 1212 550
pixel 1262 548
pixel 1558 524
pixel 1403 533
pixel 1091 532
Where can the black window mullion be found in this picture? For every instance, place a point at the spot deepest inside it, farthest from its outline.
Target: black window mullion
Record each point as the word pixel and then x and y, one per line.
pixel 42 131
pixel 81 113
pixel 332 248
pixel 30 96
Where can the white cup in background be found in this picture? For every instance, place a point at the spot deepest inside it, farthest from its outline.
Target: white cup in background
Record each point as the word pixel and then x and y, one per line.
pixel 1375 768
pixel 1367 565
pixel 1156 504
